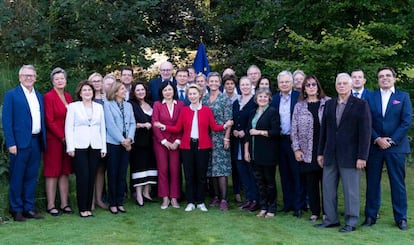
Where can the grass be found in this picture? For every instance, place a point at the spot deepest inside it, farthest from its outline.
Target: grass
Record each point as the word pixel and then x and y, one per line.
pixel 151 225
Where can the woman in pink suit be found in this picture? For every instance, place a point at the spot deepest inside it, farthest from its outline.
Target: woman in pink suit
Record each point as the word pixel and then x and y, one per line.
pixel 57 164
pixel 166 145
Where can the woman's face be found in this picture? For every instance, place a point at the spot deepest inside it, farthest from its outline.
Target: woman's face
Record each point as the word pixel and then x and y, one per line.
pixel 245 87
pixel 201 82
pixel 229 86
pixel 140 92
pixel 86 93
pixel 107 83
pixel 264 83
pixel 97 83
pixel 262 99
pixel 194 95
pixel 311 87
pixel 121 93
pixel 59 80
pixel 214 83
pixel 168 92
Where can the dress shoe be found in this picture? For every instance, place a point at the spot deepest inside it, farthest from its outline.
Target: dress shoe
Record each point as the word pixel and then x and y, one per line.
pixel 245 205
pixel 202 207
pixel 174 203
pixel 402 225
pixel 297 213
pixel 254 206
pixel 190 207
pixel 113 210
pixel 347 228
pixel 148 199
pixel 121 209
pixel 139 204
pixel 32 215
pixel 369 222
pixel 325 225
pixel 19 217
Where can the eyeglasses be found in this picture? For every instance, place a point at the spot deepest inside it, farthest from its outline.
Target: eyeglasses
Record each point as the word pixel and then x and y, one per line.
pixel 165 70
pixel 311 85
pixel 126 75
pixel 96 81
pixel 28 75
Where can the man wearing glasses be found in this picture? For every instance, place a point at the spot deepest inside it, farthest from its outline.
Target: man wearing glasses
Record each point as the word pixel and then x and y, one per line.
pixel 166 71
pixel 25 135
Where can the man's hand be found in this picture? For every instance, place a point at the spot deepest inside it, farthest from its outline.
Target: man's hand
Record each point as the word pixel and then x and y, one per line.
pixel 13 150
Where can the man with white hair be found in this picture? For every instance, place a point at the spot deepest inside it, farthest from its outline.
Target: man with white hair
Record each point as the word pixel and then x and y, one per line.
pixel 166 74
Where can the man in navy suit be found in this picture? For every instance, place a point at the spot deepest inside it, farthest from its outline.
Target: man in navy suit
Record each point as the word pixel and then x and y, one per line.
pixel 182 76
pixel 391 112
pixel 284 102
pixel 342 153
pixel 25 135
pixel 166 72
pixel 358 84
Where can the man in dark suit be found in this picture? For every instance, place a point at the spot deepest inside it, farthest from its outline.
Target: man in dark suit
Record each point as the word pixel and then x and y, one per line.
pixel 342 152
pixel 391 112
pixel 25 135
pixel 284 102
pixel 182 76
pixel 166 72
pixel 358 84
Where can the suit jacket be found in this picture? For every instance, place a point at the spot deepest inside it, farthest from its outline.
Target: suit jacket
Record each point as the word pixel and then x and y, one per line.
pixel 293 99
pixel 264 148
pixel 115 124
pixel 17 120
pixel 395 123
pixel 161 114
pixel 55 113
pixel 350 140
pixel 365 94
pixel 154 87
pixel 80 133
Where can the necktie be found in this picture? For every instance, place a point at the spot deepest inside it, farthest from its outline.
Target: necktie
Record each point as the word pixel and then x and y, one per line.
pixel 181 94
pixel 356 94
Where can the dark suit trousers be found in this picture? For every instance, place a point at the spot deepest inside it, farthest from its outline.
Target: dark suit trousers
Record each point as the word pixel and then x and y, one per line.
pixel 118 159
pixel 289 176
pixel 24 168
pixel 195 162
pixel 265 177
pixel 85 164
pixel 396 174
pixel 248 180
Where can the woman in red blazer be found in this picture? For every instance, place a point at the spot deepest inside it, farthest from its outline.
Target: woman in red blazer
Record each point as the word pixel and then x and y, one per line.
pixel 166 145
pixel 195 121
pixel 57 164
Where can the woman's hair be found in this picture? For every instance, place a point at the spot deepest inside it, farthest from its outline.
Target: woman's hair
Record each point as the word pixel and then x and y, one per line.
pixel 56 71
pixel 230 77
pixel 132 92
pixel 320 94
pixel 113 89
pixel 195 86
pixel 263 91
pixel 79 87
pixel 163 86
pixel 214 74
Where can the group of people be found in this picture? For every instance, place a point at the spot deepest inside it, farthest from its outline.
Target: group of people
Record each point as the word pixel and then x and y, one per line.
pixel 214 126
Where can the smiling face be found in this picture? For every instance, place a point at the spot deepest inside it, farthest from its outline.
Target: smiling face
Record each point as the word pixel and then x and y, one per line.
pixel 264 83
pixel 262 99
pixel 59 80
pixel 97 83
pixel 214 83
pixel 27 78
pixel 386 79
pixel 166 70
pixel 140 92
pixel 126 77
pixel 168 92
pixel 86 92
pixel 343 86
pixel 121 93
pixel 229 86
pixel 194 95
pixel 245 86
pixel 311 87
pixel 284 83
pixel 182 78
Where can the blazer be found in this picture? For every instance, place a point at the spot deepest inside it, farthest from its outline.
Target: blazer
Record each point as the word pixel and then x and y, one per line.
pixel 349 141
pixel 161 114
pixel 395 123
pixel 154 87
pixel 301 132
pixel 55 113
pixel 205 123
pixel 80 133
pixel 265 149
pixel 17 120
pixel 293 99
pixel 115 125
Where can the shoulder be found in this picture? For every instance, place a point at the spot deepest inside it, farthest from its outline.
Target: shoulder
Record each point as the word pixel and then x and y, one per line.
pixel 155 80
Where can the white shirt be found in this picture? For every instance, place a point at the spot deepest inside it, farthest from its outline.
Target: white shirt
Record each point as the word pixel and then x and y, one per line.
pixel 194 125
pixel 360 92
pixel 34 109
pixel 385 97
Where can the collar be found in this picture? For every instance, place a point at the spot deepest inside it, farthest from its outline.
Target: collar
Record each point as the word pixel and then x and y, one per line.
pixel 164 101
pixel 289 94
pixel 198 108
pixel 358 91
pixel 26 91
pixel 392 89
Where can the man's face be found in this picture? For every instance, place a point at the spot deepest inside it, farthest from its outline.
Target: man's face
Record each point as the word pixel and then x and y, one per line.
pixel 254 74
pixel 285 83
pixel 126 77
pixel 191 74
pixel 27 78
pixel 182 78
pixel 166 70
pixel 358 80
pixel 386 79
pixel 343 86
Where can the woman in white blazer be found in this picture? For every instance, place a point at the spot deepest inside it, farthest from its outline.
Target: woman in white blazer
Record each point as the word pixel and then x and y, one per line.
pixel 86 143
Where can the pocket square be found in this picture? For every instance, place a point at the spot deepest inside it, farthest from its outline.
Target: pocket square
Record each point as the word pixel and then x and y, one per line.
pixel 396 102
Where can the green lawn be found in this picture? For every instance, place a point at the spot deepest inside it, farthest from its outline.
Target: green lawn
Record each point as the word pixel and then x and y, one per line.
pixel 151 225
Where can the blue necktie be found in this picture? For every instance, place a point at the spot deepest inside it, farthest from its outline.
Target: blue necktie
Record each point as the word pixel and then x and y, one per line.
pixel 181 97
pixel 356 94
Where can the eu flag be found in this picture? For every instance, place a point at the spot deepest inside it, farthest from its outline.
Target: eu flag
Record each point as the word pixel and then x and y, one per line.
pixel 201 62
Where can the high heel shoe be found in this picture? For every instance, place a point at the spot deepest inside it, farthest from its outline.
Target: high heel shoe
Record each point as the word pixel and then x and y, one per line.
pixel 121 209
pixel 112 211
pixel 165 204
pixel 139 204
pixel 147 199
pixel 174 203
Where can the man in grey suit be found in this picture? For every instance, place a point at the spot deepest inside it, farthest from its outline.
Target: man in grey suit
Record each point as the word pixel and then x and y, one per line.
pixel 342 152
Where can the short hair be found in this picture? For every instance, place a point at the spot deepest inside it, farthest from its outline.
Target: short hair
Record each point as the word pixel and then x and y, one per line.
pixel 132 92
pixel 29 67
pixel 387 68
pixel 112 90
pixel 200 74
pixel 344 74
pixel 283 73
pixel 245 78
pixel 79 87
pixel 182 70
pixel 163 86
pixel 230 77
pixel 303 95
pixel 95 74
pixel 109 76
pixel 127 68
pixel 296 72
pixel 55 71
pixel 253 67
pixel 195 86
pixel 357 69
pixel 214 74
pixel 261 91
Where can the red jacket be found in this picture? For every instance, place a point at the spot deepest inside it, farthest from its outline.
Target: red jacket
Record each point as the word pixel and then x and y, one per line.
pixel 205 122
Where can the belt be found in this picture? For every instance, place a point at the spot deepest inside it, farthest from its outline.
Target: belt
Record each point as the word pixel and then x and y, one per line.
pixel 193 140
pixel 35 135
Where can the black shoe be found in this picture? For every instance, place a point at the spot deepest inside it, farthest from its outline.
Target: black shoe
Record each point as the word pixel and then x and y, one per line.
pixel 297 213
pixel 325 225
pixel 285 210
pixel 139 204
pixel 51 211
pixel 146 199
pixel 113 212
pixel 245 205
pixel 66 210
pixel 347 228
pixel 254 206
pixel 32 215
pixel 402 225
pixel 121 209
pixel 369 222
pixel 19 217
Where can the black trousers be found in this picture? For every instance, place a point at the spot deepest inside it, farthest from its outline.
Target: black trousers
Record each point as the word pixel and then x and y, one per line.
pixel 85 164
pixel 195 162
pixel 265 177
pixel 313 181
